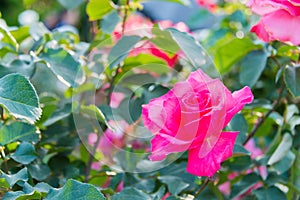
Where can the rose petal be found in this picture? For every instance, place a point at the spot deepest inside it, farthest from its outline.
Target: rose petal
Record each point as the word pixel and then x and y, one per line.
pixel 239 99
pixel 279 25
pixel 263 7
pixel 210 164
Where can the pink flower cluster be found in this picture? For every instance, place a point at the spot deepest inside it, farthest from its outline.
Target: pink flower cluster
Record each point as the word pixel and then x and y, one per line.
pixel 191 117
pixel 280 20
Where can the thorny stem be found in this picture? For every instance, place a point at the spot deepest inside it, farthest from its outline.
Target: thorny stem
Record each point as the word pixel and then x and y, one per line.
pixel 203 186
pixel 263 118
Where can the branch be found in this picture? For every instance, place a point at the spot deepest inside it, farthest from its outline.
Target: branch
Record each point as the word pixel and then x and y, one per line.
pixel 263 118
pixel 203 186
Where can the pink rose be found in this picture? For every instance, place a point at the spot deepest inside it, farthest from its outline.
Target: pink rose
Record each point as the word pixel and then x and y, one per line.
pixel 280 20
pixel 191 117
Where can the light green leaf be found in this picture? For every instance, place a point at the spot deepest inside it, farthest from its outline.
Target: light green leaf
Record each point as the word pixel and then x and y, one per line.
pixel 75 190
pixel 252 66
pixel 96 9
pixel 292 80
pixel 70 4
pixel 194 52
pixel 18 131
pixel 20 195
pixel 19 97
pixel 25 153
pixel 22 175
pixel 228 51
pixel 7 38
pixel 163 40
pixel 119 52
pixel 63 65
pixel 282 149
pixel 131 193
pixel 94 112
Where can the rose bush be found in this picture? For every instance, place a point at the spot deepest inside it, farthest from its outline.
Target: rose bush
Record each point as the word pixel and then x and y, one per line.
pixel 191 117
pixel 280 20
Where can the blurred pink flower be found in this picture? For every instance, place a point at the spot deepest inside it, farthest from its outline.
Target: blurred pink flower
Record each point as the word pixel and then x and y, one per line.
pixel 191 117
pixel 110 141
pixel 211 5
pixel 280 20
pixel 116 98
pixel 255 152
pixel 140 26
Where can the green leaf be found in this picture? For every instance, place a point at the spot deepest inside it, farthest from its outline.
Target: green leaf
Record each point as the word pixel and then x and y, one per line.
pixel 285 163
pixel 20 195
pixel 20 34
pixel 163 40
pixel 292 81
pixel 175 184
pixel 228 51
pixel 109 22
pixel 244 185
pixel 194 52
pixel 70 4
pixel 159 193
pixel 240 150
pixel 96 9
pixel 19 97
pixel 120 51
pixel 25 153
pixel 39 171
pixel 131 193
pixel 18 131
pixel 238 163
pixel 75 190
pixel 59 114
pixel 7 38
pixel 282 149
pixel 14 178
pixel 239 123
pixel 63 65
pixel 271 193
pixel 94 112
pixel 252 66
pixel 137 79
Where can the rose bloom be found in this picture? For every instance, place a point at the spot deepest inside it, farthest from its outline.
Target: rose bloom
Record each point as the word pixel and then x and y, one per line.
pixel 191 117
pixel 140 26
pixel 280 20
